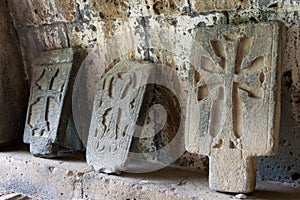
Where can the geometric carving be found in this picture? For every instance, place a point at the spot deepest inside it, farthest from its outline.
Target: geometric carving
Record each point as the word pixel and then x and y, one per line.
pixel 233 113
pixel 136 118
pixel 117 104
pixel 46 122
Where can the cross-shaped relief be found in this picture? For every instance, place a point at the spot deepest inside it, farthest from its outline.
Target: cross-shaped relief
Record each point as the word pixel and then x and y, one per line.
pixel 233 102
pixel 229 79
pixel 45 125
pixel 46 91
pixel 116 107
pixel 136 118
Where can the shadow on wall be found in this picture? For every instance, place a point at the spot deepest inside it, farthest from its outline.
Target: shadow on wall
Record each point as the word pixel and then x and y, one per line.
pixel 285 166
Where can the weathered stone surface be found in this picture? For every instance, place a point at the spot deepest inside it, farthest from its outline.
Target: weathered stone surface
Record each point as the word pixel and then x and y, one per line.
pixel 39 12
pixel 211 5
pixel 13 86
pixel 70 177
pixel 137 118
pixel 43 38
pixel 233 113
pixel 14 196
pixel 117 104
pixel 183 21
pixel 285 165
pixel 47 116
pixel 42 178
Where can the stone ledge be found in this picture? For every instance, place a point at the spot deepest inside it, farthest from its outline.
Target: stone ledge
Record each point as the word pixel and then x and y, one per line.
pixel 69 177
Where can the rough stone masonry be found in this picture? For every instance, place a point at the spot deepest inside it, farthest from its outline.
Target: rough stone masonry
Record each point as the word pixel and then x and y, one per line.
pixel 13 86
pixel 45 25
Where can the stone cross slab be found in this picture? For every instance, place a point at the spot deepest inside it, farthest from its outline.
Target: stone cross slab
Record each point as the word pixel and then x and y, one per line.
pixel 233 103
pixel 117 104
pixel 46 120
pixel 135 119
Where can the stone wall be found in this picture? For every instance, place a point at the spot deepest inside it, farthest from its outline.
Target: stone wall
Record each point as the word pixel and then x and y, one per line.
pixel 13 85
pixel 44 25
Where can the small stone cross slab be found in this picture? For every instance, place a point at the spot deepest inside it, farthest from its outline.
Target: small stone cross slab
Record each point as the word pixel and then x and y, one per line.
pixel 117 105
pixel 233 106
pixel 44 126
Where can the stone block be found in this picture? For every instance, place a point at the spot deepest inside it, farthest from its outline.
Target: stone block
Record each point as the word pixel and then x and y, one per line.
pixel 47 113
pixel 43 38
pixel 39 12
pixel 211 5
pixel 13 85
pixel 233 106
pixel 42 178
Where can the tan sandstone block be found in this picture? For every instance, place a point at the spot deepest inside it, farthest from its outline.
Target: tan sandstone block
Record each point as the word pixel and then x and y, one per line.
pixel 38 12
pixel 234 108
pixel 212 5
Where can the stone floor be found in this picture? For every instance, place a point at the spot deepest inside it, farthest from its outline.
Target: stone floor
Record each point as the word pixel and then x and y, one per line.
pixel 14 196
pixel 69 177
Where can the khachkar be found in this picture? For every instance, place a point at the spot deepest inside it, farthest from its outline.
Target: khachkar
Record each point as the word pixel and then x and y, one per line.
pixel 117 103
pixel 233 104
pixel 127 132
pixel 47 113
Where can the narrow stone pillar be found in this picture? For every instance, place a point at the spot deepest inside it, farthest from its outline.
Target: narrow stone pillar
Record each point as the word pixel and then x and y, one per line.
pixel 49 110
pixel 234 101
pixel 13 86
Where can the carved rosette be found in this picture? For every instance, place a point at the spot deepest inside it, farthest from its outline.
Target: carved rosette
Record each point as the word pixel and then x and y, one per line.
pixel 234 102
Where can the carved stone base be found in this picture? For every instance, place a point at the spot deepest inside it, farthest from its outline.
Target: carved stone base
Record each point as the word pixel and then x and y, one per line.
pixel 231 171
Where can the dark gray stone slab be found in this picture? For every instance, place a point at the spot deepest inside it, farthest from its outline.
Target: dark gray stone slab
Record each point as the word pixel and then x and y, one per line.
pixel 47 117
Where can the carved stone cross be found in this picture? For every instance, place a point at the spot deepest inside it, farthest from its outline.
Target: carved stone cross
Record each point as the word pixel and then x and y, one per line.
pixel 45 123
pixel 117 103
pixel 46 91
pixel 136 118
pixel 233 113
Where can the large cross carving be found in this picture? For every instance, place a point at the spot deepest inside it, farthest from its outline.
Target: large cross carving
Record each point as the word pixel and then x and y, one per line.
pixel 233 103
pixel 116 106
pixel 48 113
pixel 45 91
pixel 228 78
